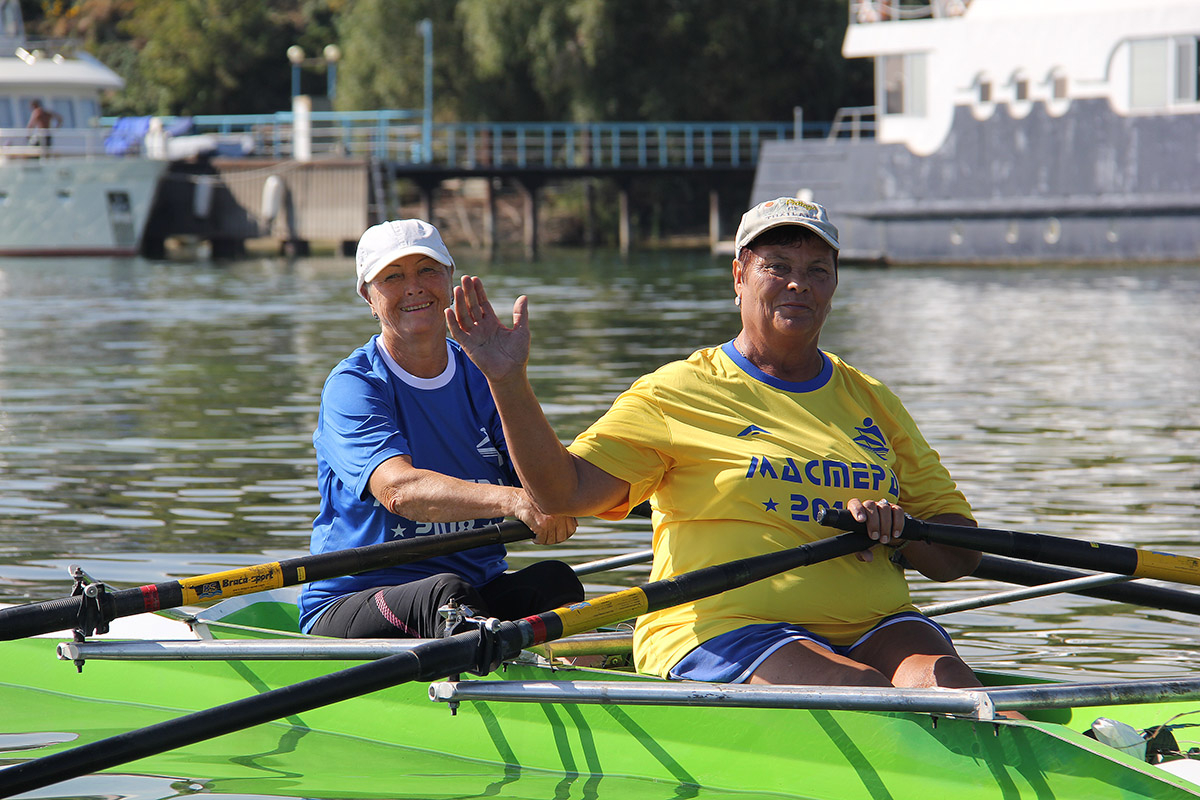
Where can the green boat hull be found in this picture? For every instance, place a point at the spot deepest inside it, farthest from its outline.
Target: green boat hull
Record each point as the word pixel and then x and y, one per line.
pixel 397 743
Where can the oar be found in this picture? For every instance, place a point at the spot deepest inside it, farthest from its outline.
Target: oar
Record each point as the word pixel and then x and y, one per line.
pixel 1040 547
pixel 601 564
pixel 995 568
pixel 1016 595
pixel 91 611
pixel 479 650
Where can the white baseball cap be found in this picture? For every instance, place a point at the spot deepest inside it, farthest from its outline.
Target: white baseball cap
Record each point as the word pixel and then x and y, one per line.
pixel 785 211
pixel 382 244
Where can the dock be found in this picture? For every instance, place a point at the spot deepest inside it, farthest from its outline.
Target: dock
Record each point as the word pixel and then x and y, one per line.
pixel 324 177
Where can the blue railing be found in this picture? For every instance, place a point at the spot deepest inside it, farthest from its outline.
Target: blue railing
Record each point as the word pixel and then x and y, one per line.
pixel 396 136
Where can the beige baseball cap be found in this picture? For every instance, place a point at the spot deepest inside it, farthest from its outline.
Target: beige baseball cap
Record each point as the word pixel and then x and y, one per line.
pixel 785 211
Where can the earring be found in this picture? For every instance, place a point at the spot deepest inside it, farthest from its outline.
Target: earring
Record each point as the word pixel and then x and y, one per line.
pixel 376 316
pixel 737 300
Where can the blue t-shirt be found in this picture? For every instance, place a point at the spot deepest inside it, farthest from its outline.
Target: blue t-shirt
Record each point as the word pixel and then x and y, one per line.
pixel 372 410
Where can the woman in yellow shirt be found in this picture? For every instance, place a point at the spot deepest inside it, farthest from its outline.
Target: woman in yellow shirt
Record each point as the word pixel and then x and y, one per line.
pixel 738 448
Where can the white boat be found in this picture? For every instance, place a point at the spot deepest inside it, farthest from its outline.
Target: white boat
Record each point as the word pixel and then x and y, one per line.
pixel 1012 130
pixel 63 194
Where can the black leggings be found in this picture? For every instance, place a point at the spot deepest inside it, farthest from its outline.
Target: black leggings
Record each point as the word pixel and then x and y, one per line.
pixel 410 610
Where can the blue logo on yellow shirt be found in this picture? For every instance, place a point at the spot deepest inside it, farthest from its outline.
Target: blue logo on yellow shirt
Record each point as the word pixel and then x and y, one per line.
pixel 871 438
pixel 752 430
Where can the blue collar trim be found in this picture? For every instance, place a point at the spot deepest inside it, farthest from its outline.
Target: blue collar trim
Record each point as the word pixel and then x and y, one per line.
pixel 788 386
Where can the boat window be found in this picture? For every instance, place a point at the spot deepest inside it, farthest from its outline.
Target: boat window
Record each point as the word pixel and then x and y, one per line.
pixel 1021 89
pixel 985 91
pixel 1187 69
pixel 11 26
pixel 1148 73
pixel 903 82
pixel 62 106
pixel 1058 87
pixel 89 111
pixel 893 84
pixel 24 109
pixel 7 118
pixel 916 85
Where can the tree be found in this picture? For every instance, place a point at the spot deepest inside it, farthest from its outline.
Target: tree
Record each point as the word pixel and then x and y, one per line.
pixel 605 60
pixel 714 60
pixel 205 56
pixel 193 56
pixel 383 55
pixel 494 60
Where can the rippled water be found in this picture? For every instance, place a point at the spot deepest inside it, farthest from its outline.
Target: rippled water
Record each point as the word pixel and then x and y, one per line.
pixel 155 418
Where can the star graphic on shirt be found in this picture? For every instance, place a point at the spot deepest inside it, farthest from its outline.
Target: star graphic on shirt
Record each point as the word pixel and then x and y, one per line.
pixel 771 504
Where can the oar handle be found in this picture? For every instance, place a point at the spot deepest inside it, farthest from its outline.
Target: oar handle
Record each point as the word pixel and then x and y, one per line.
pixel 1040 547
pixel 843 520
pixel 34 618
pixel 1014 544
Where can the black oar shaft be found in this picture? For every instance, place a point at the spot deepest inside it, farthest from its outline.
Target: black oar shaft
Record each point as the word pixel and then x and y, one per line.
pixel 55 615
pixel 997 568
pixel 436 659
pixel 1041 548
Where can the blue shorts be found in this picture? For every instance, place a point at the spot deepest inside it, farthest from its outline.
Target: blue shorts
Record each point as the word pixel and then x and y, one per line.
pixel 732 657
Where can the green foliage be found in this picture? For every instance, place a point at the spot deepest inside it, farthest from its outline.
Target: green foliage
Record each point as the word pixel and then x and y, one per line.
pixel 494 60
pixel 383 52
pixel 205 56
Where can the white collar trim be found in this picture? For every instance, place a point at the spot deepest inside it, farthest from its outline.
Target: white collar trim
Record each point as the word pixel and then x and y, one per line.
pixel 407 377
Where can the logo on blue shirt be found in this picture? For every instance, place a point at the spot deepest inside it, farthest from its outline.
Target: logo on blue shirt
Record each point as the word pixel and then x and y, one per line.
pixel 488 450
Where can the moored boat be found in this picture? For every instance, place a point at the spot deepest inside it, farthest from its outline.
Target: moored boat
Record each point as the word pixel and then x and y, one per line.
pixel 61 193
pixel 1011 131
pixel 537 724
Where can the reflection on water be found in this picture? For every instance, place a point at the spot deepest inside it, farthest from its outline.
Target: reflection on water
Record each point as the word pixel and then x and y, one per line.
pixel 155 418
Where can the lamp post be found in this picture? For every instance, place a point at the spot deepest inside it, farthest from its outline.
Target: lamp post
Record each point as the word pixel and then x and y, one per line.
pixel 330 57
pixel 425 27
pixel 333 54
pixel 295 54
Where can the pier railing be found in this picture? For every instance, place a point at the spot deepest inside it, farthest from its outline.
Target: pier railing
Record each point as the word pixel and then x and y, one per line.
pixel 397 137
pixel 27 143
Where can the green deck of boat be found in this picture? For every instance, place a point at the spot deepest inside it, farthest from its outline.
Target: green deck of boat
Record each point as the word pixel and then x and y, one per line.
pixel 397 743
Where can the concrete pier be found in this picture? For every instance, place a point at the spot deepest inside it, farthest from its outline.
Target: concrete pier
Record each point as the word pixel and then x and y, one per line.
pixel 228 201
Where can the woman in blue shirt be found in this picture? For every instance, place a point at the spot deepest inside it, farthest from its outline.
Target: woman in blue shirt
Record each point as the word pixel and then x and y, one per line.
pixel 409 443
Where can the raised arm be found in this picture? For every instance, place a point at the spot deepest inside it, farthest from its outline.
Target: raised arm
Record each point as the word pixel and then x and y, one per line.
pixel 558 482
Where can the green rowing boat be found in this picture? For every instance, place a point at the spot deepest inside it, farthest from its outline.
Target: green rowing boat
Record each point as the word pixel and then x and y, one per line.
pixel 538 727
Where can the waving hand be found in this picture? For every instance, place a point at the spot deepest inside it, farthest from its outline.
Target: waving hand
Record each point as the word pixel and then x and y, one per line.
pixel 499 352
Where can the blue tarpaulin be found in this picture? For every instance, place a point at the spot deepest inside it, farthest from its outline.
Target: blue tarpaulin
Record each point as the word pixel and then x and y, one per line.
pixel 128 133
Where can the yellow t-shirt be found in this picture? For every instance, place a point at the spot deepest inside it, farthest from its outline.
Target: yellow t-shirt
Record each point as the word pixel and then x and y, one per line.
pixel 737 463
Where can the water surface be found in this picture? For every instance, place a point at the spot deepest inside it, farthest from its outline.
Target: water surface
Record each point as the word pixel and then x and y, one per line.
pixel 156 417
